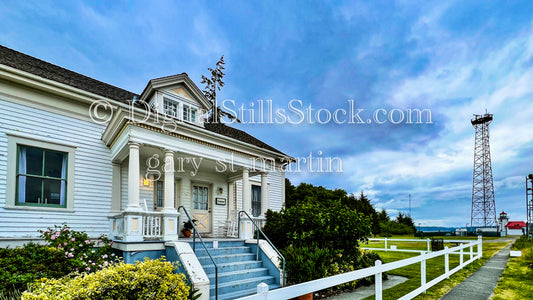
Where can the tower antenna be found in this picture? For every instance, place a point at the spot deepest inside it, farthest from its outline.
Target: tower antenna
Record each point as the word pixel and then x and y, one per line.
pixel 483 204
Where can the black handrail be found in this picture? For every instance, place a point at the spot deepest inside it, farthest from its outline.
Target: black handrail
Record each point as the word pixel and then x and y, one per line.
pixel 266 238
pixel 195 232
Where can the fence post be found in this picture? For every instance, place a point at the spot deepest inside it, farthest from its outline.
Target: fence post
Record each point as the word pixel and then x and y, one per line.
pixel 446 262
pixel 479 246
pixel 461 256
pixel 471 251
pixel 428 244
pixel 423 273
pixel 385 244
pixel 378 282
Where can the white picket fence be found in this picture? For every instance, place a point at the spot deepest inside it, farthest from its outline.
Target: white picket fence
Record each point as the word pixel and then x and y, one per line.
pixel 378 270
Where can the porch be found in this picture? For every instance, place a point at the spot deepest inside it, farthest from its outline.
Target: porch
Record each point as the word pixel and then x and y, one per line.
pixel 154 174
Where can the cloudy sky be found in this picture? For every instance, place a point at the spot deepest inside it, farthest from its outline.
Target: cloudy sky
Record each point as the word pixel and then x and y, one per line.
pixel 454 58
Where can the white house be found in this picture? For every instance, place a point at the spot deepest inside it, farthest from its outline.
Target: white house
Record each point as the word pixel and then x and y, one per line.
pixel 76 150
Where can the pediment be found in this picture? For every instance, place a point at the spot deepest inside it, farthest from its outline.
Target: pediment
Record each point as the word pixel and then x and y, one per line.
pixel 179 86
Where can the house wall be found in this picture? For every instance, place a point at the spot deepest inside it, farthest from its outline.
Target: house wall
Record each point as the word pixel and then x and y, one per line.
pixel 515 232
pixel 93 171
pixel 276 189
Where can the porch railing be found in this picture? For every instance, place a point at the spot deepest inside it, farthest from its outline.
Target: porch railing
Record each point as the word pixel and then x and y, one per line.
pixel 259 231
pixel 152 225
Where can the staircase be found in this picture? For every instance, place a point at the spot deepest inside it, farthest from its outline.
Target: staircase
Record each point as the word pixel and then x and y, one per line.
pixel 239 272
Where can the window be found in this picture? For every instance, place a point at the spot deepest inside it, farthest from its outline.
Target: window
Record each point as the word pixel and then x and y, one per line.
pixel 170 107
pixel 200 197
pixel 189 113
pixel 159 194
pixel 41 177
pixel 256 200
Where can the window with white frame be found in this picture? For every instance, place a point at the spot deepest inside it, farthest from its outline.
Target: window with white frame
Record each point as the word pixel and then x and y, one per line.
pixel 41 177
pixel 173 108
pixel 189 113
pixel 40 173
pixel 170 107
pixel 256 200
pixel 159 194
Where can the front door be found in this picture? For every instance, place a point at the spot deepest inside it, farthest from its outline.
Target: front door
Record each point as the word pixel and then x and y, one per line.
pixel 201 210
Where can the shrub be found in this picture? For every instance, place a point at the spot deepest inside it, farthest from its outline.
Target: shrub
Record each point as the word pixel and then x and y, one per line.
pixel 86 255
pixel 319 241
pixel 305 264
pixel 151 279
pixel 22 265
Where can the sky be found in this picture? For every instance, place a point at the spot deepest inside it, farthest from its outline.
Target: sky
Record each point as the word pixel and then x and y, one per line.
pixel 451 58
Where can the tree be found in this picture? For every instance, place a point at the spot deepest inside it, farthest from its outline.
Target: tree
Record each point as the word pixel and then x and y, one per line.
pixel 210 92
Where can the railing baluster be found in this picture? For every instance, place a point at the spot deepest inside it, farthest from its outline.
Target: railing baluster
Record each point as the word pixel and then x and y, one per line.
pixel 446 262
pixel 461 256
pixel 423 273
pixel 378 282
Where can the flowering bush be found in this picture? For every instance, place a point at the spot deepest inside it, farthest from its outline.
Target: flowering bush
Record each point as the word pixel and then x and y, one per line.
pixel 86 255
pixel 151 279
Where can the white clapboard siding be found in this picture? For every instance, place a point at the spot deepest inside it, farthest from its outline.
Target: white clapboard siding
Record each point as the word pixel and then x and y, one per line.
pixel 275 189
pixel 92 179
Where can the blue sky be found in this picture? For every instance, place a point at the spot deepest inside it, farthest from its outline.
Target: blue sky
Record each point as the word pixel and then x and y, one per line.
pixel 455 58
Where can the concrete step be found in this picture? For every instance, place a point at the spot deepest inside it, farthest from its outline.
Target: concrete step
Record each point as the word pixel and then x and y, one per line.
pixel 223 251
pixel 233 266
pixel 238 275
pixel 242 293
pixel 226 243
pixel 220 259
pixel 240 285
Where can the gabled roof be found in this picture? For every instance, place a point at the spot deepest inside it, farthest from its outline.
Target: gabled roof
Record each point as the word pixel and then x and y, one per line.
pixel 172 80
pixel 35 66
pixel 516 225
pixel 50 71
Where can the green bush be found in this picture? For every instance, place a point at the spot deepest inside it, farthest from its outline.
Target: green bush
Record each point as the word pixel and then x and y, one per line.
pixel 305 264
pixel 151 279
pixel 86 255
pixel 319 241
pixel 22 265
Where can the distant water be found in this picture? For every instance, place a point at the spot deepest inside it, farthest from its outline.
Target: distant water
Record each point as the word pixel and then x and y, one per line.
pixel 435 228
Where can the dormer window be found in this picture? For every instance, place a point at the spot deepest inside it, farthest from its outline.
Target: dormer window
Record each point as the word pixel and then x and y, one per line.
pixel 180 110
pixel 189 113
pixel 170 107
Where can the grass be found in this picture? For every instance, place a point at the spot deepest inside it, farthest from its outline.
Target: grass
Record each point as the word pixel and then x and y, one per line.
pixel 515 282
pixel 434 268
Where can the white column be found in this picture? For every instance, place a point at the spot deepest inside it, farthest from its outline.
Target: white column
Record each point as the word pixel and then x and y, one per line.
pixel 170 214
pixel 133 220
pixel 246 199
pixel 265 203
pixel 168 200
pixel 115 192
pixel 246 231
pixel 231 203
pixel 133 178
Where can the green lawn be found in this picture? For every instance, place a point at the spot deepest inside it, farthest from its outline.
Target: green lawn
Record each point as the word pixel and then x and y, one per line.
pixel 434 268
pixel 515 282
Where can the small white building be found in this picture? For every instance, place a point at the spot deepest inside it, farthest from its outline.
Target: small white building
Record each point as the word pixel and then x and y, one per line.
pixel 516 227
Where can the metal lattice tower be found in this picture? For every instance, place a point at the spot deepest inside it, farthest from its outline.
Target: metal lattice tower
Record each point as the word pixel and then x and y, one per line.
pixel 529 205
pixel 483 204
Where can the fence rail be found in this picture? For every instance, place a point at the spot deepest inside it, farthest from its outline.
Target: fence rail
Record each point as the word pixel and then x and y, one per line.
pixel 378 270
